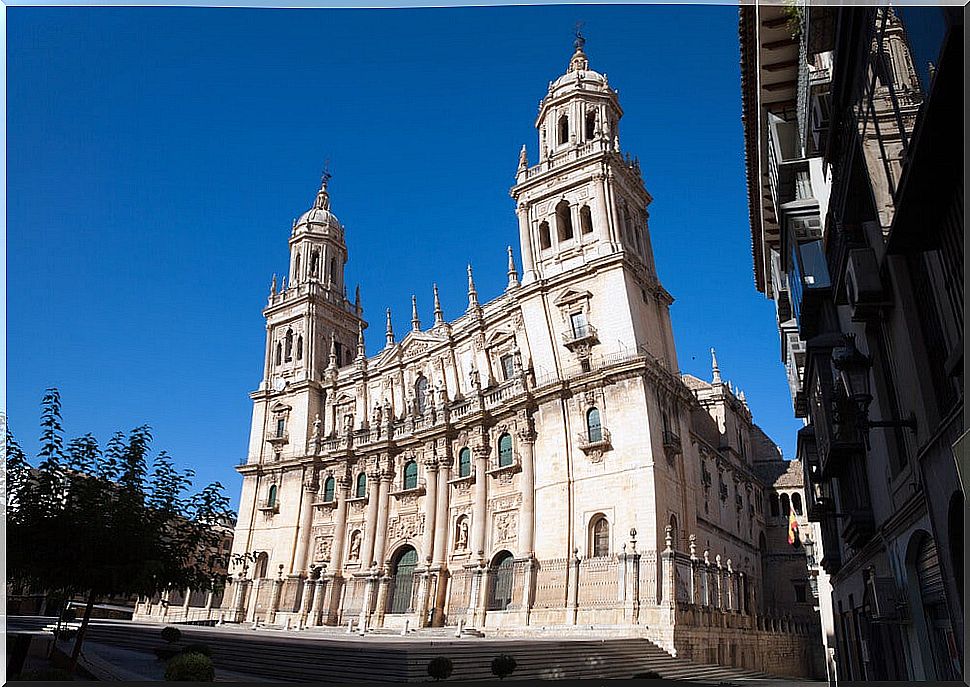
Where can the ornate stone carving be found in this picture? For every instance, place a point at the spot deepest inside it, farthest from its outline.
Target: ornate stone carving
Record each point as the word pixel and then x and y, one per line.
pixel 506 526
pixel 503 503
pixel 406 526
pixel 321 549
pixel 356 538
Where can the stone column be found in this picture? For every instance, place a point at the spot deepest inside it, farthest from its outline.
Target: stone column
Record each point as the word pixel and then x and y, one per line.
pixel 304 537
pixel 525 243
pixel 209 597
pixel 480 517
pixel 609 231
pixel 441 514
pixel 186 603
pixel 720 582
pixel 430 506
pixel 527 438
pixel 274 601
pixel 383 582
pixel 340 533
pixel 373 498
pixel 669 580
pixel 308 584
pixel 381 536
pixel 320 588
pixel 238 599
pixel 572 589
pixel 632 566
pixel 694 569
pixel 729 577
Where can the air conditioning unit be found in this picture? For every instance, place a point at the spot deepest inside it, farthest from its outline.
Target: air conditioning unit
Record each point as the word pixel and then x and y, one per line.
pixel 863 287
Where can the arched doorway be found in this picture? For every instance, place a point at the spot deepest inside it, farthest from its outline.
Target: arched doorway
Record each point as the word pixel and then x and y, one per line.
pixel 402 580
pixel 930 612
pixel 500 594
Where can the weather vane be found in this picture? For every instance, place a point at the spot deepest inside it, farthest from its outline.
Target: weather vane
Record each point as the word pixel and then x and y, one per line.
pixel 580 41
pixel 325 176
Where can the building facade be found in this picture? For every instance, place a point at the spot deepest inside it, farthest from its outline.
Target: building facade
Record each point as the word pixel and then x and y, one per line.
pixel 855 182
pixel 538 462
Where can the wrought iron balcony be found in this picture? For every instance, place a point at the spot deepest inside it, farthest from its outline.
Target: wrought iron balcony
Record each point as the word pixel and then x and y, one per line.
pixel 277 438
pixel 672 445
pixel 580 336
pixel 589 441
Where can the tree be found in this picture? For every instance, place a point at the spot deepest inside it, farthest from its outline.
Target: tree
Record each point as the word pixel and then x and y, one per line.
pixel 114 522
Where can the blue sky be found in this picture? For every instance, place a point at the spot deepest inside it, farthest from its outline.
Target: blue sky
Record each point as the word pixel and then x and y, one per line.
pixel 156 158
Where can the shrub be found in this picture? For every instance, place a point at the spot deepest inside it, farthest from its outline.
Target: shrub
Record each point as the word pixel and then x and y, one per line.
pixel 503 665
pixel 45 675
pixel 167 651
pixel 190 668
pixel 440 667
pixel 198 648
pixel 171 634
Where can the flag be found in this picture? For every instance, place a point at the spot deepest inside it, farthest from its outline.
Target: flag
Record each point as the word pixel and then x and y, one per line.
pixel 793 538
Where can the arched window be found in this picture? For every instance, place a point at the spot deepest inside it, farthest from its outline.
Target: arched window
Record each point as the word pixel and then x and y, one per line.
pixel 333 270
pixel 289 345
pixel 627 223
pixel 785 506
pixel 501 588
pixel 563 129
pixel 564 221
pixel 411 475
pixel 585 220
pixel 361 489
pixel 296 269
pixel 299 347
pixel 279 353
pixel 505 450
pixel 599 537
pixel 314 263
pixel 402 582
pixel 421 395
pixel 673 530
pixel 590 125
pixel 796 503
pixel 329 487
pixel 773 505
pixel 593 427
pixel 464 462
pixel 545 240
pixel 271 496
pixel 262 565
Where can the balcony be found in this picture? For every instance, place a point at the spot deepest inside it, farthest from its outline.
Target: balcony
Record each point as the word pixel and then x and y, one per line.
pixel 671 444
pixel 858 527
pixel 269 508
pixel 784 159
pixel 278 439
pixel 595 443
pixel 585 335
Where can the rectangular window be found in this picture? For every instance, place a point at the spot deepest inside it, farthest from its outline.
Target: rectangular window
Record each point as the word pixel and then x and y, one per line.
pixel 579 325
pixel 280 427
pixel 508 366
pixel 800 593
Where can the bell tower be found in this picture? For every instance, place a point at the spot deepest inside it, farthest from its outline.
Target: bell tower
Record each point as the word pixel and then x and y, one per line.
pixel 583 199
pixel 310 326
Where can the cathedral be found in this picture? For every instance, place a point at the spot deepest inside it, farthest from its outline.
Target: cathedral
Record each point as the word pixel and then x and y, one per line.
pixel 539 462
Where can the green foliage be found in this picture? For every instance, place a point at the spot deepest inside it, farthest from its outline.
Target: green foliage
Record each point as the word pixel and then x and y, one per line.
pixel 503 665
pixel 96 523
pixel 171 634
pixel 190 668
pixel 198 648
pixel 793 15
pixel 440 667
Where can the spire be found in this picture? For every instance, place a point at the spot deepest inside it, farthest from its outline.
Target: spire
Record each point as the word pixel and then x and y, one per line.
pixel 390 330
pixel 715 370
pixel 472 293
pixel 323 198
pixel 438 315
pixel 333 352
pixel 579 61
pixel 357 307
pixel 272 286
pixel 523 159
pixel 415 321
pixel 361 354
pixel 513 274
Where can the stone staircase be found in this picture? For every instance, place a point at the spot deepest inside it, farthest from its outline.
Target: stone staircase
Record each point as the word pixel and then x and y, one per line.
pixel 326 655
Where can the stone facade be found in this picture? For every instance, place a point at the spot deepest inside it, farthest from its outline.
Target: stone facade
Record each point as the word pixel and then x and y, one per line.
pixel 538 462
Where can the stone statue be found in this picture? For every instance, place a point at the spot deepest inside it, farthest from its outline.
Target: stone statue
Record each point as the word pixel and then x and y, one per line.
pixel 355 545
pixel 316 426
pixel 462 539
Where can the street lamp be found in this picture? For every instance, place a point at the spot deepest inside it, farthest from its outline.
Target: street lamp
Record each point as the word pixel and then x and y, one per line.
pixel 853 367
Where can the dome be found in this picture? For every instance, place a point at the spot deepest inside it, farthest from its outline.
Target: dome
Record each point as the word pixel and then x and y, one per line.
pixel 579 74
pixel 319 214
